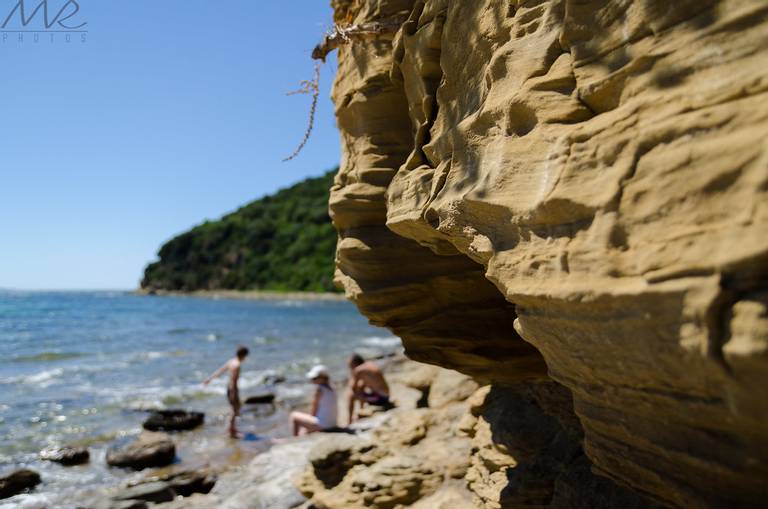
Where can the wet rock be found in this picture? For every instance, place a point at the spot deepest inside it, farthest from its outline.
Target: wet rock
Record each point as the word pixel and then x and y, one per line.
pixel 260 399
pixel 260 411
pixel 66 455
pixel 150 492
pixel 188 482
pixel 161 489
pixel 149 450
pixel 173 420
pixel 273 379
pixel 18 481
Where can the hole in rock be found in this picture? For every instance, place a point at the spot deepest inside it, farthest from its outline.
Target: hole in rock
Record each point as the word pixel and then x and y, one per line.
pixel 521 120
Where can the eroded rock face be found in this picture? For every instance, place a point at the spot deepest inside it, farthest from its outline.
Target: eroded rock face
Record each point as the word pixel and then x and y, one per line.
pixel 393 280
pixel 527 453
pixel 576 189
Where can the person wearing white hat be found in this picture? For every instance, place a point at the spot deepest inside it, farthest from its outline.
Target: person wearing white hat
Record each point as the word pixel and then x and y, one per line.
pixel 324 406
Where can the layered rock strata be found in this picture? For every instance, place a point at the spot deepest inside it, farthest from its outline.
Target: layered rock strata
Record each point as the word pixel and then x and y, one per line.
pixel 574 193
pixel 422 295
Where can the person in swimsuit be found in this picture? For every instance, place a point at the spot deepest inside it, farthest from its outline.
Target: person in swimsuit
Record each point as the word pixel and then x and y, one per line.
pixel 366 385
pixel 232 366
pixel 324 405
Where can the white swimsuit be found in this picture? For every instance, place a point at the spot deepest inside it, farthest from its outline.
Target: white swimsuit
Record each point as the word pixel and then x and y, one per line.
pixel 326 407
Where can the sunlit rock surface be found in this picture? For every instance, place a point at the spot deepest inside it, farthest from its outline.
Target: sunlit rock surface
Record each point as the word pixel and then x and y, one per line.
pixel 573 193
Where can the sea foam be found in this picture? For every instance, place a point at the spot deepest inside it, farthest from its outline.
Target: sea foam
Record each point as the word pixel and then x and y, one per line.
pixel 381 341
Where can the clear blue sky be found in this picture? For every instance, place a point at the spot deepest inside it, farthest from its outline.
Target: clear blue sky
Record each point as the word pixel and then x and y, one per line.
pixel 171 113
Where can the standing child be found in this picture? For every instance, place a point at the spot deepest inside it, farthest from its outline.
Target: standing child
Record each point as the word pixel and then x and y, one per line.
pixel 324 408
pixel 232 366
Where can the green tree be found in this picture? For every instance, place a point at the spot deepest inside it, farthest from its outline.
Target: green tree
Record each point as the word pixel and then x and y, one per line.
pixel 280 242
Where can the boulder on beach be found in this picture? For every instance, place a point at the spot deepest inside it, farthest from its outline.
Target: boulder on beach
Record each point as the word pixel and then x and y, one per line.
pixel 189 482
pixel 173 420
pixel 18 481
pixel 158 489
pixel 260 399
pixel 65 455
pixel 149 450
pixel 273 379
pixel 156 492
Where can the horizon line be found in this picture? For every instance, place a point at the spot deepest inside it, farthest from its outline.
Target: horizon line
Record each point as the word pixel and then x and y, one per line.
pixel 52 290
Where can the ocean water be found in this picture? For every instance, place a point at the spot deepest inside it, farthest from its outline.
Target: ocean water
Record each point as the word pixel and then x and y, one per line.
pixel 83 368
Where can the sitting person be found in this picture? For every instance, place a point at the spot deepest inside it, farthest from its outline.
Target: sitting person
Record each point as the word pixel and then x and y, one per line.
pixel 324 407
pixel 366 385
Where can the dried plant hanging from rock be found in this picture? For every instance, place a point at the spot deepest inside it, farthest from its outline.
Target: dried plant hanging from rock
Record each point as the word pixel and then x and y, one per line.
pixel 333 39
pixel 308 87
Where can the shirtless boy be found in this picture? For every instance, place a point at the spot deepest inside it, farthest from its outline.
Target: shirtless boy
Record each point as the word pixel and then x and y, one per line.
pixel 366 385
pixel 232 366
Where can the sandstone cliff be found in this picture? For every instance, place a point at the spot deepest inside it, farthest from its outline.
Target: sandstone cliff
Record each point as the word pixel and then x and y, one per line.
pixel 568 199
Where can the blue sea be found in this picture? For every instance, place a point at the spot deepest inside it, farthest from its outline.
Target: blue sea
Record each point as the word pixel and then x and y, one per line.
pixel 84 367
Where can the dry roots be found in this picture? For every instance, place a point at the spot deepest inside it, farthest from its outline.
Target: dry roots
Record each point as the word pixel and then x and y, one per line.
pixel 308 87
pixel 331 41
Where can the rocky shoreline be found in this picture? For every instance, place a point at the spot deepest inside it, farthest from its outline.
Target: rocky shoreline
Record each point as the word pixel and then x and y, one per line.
pixel 449 443
pixel 168 472
pixel 247 295
pixel 415 455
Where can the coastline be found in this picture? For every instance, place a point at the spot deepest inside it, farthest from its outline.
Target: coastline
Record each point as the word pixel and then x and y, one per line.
pixel 149 354
pixel 406 455
pixel 415 453
pixel 245 295
pixel 226 460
